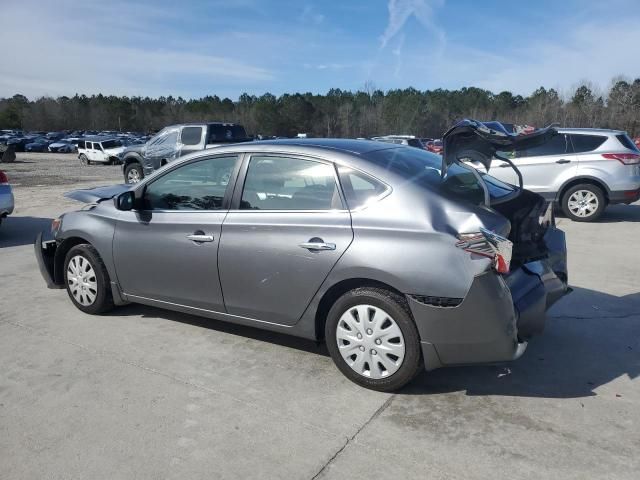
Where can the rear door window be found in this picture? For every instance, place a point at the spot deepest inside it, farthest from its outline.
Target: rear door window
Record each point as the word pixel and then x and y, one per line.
pixel 226 133
pixel 285 183
pixel 586 143
pixel 557 145
pixel 191 135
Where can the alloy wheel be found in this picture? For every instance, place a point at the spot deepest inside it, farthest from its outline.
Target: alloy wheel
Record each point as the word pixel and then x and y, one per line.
pixel 81 280
pixel 133 176
pixel 583 203
pixel 370 341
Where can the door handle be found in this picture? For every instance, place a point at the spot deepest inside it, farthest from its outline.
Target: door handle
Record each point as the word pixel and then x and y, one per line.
pixel 200 237
pixel 318 246
pixel 504 165
pixel 563 160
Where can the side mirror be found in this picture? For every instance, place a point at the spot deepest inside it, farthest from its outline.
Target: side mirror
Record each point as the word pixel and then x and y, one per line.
pixel 125 201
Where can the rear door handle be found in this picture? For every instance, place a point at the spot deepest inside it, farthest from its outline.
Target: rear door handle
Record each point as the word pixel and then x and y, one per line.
pixel 563 160
pixel 317 246
pixel 504 165
pixel 200 237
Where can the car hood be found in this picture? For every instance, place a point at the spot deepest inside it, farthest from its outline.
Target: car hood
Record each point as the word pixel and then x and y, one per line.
pixel 95 195
pixel 133 148
pixel 114 150
pixel 480 141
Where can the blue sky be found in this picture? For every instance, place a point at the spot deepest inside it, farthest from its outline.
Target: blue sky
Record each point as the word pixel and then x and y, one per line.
pixel 197 48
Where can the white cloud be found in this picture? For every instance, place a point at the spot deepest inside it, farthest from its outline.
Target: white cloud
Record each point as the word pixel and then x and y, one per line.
pixel 113 53
pixel 401 10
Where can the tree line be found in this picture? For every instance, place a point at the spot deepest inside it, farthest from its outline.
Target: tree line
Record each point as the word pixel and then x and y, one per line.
pixel 339 113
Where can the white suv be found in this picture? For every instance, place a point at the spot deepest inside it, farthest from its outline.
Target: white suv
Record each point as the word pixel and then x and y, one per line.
pixel 100 150
pixel 582 169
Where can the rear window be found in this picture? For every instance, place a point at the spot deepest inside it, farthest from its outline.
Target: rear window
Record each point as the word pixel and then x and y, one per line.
pixel 627 142
pixel 423 168
pixel 226 133
pixel 557 145
pixel 586 143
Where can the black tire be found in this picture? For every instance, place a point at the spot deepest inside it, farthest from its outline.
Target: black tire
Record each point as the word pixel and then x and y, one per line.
pixel 84 160
pixel 589 216
pixel 128 172
pixel 103 301
pixel 396 307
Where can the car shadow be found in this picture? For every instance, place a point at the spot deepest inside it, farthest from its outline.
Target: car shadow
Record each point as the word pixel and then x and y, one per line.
pixel 591 338
pixel 621 213
pixel 254 333
pixel 612 214
pixel 16 230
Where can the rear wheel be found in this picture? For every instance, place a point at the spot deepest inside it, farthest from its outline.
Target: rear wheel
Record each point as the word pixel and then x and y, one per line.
pixel 133 173
pixel 87 280
pixel 84 160
pixel 373 340
pixel 584 203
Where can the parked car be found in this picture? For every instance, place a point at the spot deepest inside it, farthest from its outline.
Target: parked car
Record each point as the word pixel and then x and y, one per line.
pixel 435 146
pixel 364 245
pixel 174 142
pixel 409 140
pixel 6 197
pixel 582 170
pixel 19 143
pixel 100 150
pixel 40 144
pixel 63 146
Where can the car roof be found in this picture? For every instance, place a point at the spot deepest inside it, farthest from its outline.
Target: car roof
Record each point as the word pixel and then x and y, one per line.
pixel 199 124
pixel 345 145
pixel 98 138
pixel 591 131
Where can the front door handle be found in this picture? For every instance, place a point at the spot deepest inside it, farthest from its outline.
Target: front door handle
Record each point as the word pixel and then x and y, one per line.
pixel 200 237
pixel 563 160
pixel 504 165
pixel 316 244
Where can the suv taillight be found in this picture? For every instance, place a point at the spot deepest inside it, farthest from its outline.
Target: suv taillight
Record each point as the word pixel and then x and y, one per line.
pixel 625 158
pixel 3 178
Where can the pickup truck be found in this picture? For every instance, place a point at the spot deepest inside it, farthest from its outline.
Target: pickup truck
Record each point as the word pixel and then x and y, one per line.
pixel 174 142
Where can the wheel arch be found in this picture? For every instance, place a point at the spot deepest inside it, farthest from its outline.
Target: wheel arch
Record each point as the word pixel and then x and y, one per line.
pixel 336 291
pixel 61 253
pixel 582 180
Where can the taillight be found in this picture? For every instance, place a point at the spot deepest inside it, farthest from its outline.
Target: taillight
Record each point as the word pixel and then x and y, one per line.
pixel 488 244
pixel 625 158
pixel 4 180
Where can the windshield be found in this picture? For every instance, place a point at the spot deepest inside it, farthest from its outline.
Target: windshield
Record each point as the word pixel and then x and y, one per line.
pixel 424 168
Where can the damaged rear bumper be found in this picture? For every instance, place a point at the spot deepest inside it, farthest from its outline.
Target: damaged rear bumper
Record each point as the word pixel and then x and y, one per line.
pixel 499 314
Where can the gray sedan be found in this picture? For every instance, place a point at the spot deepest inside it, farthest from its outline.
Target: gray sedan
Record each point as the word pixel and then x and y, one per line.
pixel 398 258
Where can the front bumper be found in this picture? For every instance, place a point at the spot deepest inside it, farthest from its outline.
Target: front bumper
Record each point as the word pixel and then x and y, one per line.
pixel 498 315
pixel 45 256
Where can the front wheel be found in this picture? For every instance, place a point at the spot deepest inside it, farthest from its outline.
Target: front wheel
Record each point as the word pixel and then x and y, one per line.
pixel 373 339
pixel 87 280
pixel 584 203
pixel 133 173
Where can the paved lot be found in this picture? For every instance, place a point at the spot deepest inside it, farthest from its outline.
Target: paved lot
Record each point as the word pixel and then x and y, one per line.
pixel 145 393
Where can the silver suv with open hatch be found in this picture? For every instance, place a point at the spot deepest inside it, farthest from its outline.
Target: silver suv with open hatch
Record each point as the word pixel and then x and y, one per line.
pixel 582 170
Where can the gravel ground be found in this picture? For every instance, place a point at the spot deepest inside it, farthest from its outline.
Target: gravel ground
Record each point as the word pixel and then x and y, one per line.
pixel 54 169
pixel 147 393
